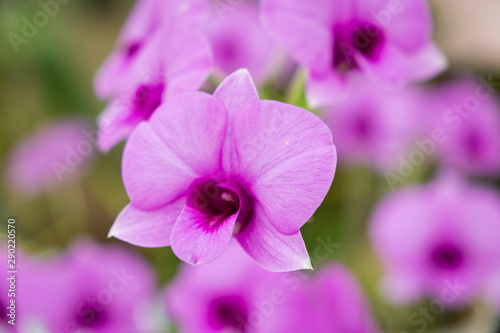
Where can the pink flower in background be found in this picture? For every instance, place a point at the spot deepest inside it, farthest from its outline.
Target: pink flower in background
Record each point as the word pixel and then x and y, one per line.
pixel 39 280
pixel 158 53
pixel 54 153
pixel 206 168
pixel 376 127
pixel 148 19
pixel 438 240
pixel 223 296
pixel 247 298
pixel 389 42
pixel 468 113
pixel 173 61
pixel 329 301
pixel 91 288
pixel 8 311
pixel 239 41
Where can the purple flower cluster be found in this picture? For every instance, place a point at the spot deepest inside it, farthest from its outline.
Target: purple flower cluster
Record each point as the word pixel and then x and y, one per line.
pixel 389 42
pixel 202 169
pixel 248 298
pixel 228 179
pixel 89 288
pixel 207 168
pixel 207 171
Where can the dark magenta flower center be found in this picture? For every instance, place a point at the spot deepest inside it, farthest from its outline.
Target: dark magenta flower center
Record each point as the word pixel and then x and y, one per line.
pixel 224 202
pixel 216 203
pixel 363 127
pixel 228 312
pixel 355 38
pixel 147 99
pixel 226 49
pixel 447 257
pixel 91 317
pixel 132 49
pixel 473 144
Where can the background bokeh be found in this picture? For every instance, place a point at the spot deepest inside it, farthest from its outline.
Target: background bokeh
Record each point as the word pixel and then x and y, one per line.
pixel 51 78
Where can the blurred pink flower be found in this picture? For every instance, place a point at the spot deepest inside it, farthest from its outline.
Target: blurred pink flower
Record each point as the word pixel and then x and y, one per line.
pixel 172 61
pixel 389 42
pixel 376 127
pixel 222 296
pixel 158 53
pixel 329 301
pixel 233 294
pixel 438 240
pixel 148 20
pixel 91 288
pixel 205 168
pixel 238 40
pixel 55 152
pixel 468 113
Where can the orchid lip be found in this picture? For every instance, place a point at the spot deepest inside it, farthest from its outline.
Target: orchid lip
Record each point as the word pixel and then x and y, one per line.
pixel 216 201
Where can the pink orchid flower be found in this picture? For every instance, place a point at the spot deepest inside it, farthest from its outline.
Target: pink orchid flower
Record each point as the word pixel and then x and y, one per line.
pixel 205 169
